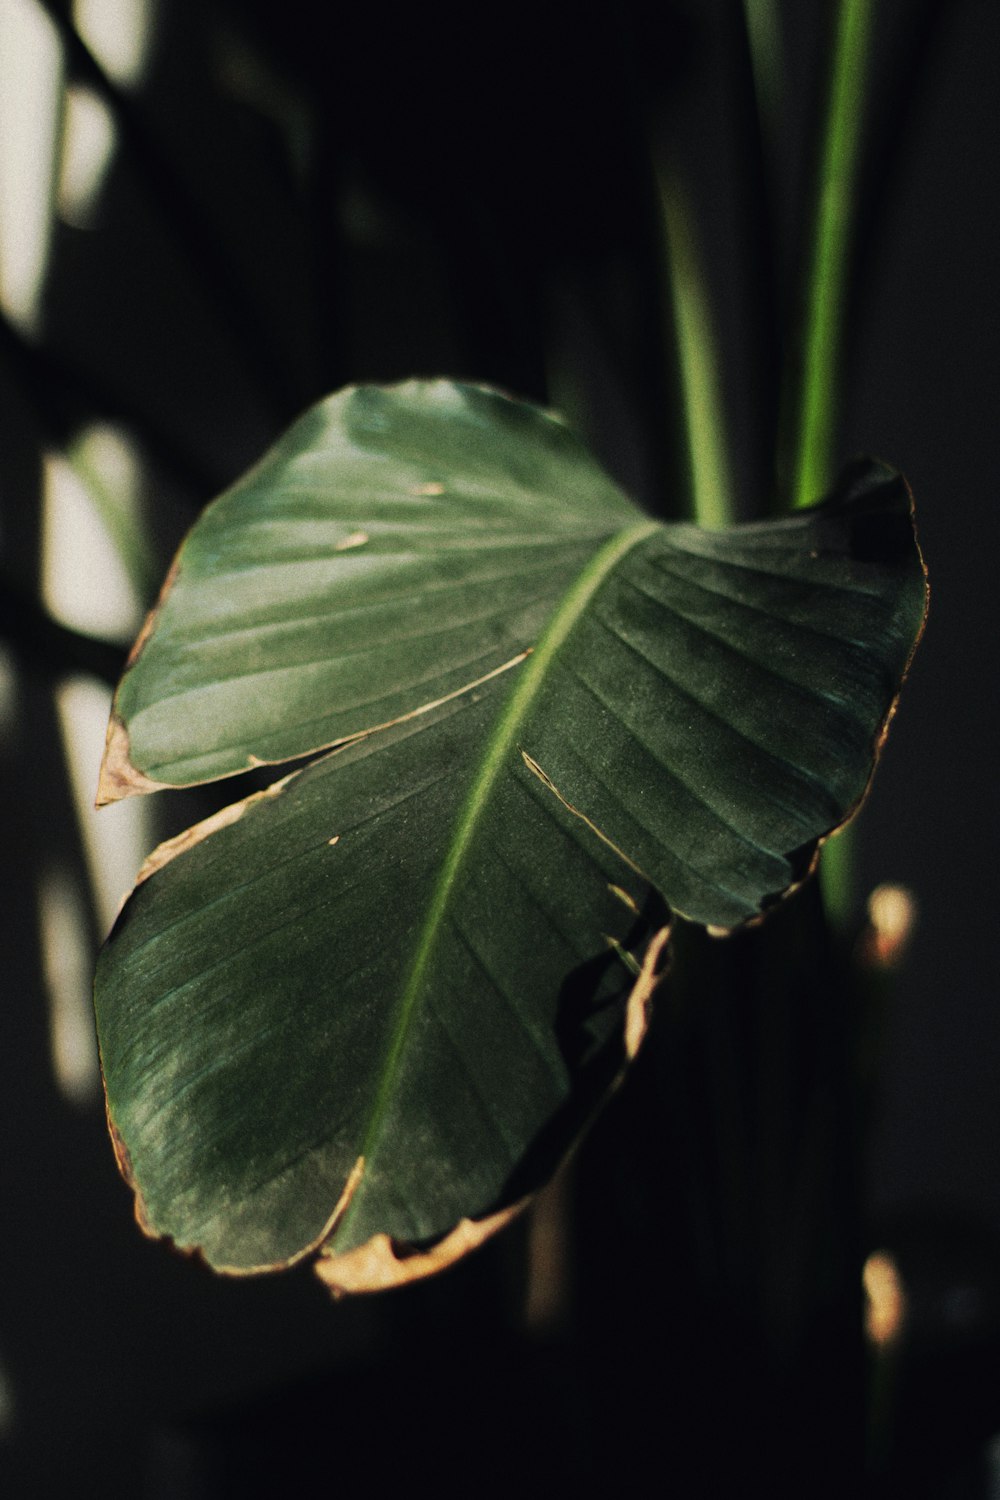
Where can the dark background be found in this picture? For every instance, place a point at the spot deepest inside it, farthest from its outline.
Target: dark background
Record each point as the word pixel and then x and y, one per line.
pixel 304 198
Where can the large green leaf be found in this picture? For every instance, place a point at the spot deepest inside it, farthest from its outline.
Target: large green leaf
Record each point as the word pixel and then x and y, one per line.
pixel 376 1003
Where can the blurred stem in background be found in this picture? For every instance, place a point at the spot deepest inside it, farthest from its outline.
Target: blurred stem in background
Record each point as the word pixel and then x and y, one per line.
pixel 764 43
pixel 814 393
pixel 711 499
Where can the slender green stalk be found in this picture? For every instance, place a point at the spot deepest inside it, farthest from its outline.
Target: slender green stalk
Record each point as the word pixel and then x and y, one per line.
pixel 828 270
pixel 711 486
pixel 837 878
pixel 763 29
pixel 823 335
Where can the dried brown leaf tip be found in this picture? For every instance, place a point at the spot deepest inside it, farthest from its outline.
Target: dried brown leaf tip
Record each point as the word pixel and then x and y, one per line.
pixel 640 1001
pixel 119 778
pixel 381 1262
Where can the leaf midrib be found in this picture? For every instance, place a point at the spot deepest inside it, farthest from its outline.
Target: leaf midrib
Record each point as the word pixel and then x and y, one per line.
pixel 574 603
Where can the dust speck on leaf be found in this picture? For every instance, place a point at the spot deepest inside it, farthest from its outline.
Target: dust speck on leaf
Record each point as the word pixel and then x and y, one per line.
pixel 356 539
pixel 433 488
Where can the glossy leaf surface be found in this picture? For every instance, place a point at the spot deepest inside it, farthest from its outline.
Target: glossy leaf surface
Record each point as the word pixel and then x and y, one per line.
pixel 381 1000
pixel 395 545
pixel 336 976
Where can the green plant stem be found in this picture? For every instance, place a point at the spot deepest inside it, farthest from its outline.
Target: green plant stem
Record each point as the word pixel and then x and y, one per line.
pixel 764 41
pixel 837 878
pixel 711 486
pixel 823 333
pixel 828 270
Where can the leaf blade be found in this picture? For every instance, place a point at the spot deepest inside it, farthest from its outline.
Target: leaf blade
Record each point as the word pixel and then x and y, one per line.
pixel 697 712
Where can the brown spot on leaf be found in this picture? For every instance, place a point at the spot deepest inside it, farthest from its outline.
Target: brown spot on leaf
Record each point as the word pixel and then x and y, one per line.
pixel 432 488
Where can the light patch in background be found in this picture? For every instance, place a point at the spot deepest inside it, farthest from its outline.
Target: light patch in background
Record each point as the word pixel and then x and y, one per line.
pixel 67 968
pixel 885 1299
pixel 88 145
pixel 85 581
pixel 31 68
pixel 119 33
pixel 107 461
pixel 115 840
pixel 892 915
